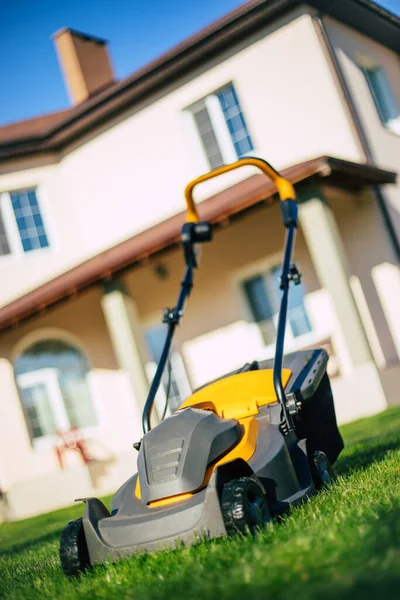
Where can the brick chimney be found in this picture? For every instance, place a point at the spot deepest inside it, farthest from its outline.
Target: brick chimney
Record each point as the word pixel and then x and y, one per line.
pixel 85 63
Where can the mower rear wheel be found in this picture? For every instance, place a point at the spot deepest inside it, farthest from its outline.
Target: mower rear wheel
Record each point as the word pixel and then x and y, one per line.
pixel 244 506
pixel 74 555
pixel 322 472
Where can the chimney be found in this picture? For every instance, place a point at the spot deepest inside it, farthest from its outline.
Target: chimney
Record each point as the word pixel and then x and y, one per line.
pixel 85 63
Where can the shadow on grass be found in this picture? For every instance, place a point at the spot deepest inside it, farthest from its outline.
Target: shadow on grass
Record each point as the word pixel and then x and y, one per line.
pixel 31 544
pixel 359 458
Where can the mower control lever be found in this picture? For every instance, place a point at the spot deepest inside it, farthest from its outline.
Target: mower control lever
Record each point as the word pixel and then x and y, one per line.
pixel 171 315
pixel 193 234
pixel 293 275
pixel 284 187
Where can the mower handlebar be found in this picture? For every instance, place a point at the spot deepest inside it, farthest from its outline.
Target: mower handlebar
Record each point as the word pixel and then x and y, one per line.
pixel 284 187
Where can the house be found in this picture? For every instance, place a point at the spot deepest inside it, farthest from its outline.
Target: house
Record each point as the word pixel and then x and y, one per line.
pixel 91 210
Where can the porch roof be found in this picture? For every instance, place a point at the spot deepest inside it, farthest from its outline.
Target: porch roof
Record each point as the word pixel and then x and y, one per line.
pixel 232 201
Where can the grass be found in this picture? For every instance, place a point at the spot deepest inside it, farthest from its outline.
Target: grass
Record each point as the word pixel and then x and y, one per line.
pixel 344 543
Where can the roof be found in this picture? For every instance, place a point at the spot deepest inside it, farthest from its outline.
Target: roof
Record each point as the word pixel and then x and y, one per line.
pixel 37 127
pixel 50 133
pixel 166 234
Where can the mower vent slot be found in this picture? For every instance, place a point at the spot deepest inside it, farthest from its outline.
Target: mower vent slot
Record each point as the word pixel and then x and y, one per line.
pixel 164 459
pixel 165 474
pixel 168 460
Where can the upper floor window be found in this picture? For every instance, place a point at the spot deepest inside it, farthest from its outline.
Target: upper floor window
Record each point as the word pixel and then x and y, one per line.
pixel 384 98
pixel 222 127
pixel 263 296
pixel 21 223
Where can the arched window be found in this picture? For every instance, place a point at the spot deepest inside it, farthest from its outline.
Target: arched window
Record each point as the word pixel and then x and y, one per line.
pixel 52 380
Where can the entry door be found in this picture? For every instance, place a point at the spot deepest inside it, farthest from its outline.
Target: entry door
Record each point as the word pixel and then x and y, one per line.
pixel 43 402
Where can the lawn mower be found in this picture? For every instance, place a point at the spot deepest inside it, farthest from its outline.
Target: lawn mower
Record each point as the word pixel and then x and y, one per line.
pixel 240 451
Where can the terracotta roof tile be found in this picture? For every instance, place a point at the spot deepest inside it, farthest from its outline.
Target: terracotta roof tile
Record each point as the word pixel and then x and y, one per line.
pixel 37 126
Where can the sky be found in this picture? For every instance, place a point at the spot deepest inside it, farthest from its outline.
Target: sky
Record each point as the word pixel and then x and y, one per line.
pixel 138 31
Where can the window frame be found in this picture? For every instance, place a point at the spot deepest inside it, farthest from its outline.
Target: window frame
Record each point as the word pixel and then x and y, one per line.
pixel 176 357
pixel 220 127
pixel 37 377
pixel 367 68
pixel 11 227
pixel 263 267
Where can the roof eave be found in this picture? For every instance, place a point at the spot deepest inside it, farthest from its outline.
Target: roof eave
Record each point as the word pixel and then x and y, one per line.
pixel 166 234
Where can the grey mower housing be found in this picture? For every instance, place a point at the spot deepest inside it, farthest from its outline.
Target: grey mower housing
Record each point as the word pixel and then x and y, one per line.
pixel 174 456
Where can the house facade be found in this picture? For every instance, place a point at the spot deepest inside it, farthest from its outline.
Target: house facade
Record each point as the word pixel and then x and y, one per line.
pixel 91 205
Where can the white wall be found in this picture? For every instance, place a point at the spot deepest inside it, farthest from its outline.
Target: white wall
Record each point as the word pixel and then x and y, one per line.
pixel 132 174
pixel 21 271
pixel 354 49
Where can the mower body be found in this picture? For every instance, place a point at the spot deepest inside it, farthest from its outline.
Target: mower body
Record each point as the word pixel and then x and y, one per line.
pixel 240 450
pixel 228 429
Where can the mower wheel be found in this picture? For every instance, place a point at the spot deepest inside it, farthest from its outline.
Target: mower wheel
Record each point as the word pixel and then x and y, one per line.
pixel 244 506
pixel 322 472
pixel 74 555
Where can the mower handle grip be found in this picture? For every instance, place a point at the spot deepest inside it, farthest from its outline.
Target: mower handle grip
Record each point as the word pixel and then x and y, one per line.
pixel 284 187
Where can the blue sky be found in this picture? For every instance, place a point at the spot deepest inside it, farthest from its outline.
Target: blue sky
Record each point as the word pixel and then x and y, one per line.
pixel 138 32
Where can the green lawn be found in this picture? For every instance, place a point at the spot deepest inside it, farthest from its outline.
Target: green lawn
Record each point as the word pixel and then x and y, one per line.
pixel 344 543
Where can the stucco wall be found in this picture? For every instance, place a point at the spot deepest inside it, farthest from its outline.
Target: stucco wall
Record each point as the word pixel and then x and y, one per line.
pixel 81 323
pixel 131 173
pixel 375 280
pixel 354 49
pixel 368 248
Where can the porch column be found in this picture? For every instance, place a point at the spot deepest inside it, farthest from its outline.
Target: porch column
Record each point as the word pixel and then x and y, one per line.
pixel 15 444
pixel 123 325
pixel 363 393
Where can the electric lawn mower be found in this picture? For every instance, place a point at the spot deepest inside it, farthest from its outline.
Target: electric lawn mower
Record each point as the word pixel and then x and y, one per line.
pixel 239 451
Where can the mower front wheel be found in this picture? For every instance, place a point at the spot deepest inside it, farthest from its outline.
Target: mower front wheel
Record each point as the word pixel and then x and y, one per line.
pixel 244 506
pixel 74 555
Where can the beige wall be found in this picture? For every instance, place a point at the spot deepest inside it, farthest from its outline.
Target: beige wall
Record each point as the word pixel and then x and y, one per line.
pixel 81 323
pixel 82 319
pixel 375 280
pixel 255 239
pixel 132 172
pixel 368 248
pixel 354 49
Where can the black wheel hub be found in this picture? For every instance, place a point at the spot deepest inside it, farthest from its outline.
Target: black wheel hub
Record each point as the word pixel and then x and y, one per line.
pixel 244 505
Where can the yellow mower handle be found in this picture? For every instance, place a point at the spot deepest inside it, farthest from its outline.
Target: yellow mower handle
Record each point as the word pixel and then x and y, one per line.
pixel 284 187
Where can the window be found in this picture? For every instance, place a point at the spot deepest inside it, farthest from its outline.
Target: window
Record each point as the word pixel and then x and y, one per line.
pixel 385 101
pixel 208 138
pixel 221 127
pixel 179 387
pixel 235 120
pixel 4 245
pixel 36 402
pixel 52 381
pixel 21 223
pixel 263 296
